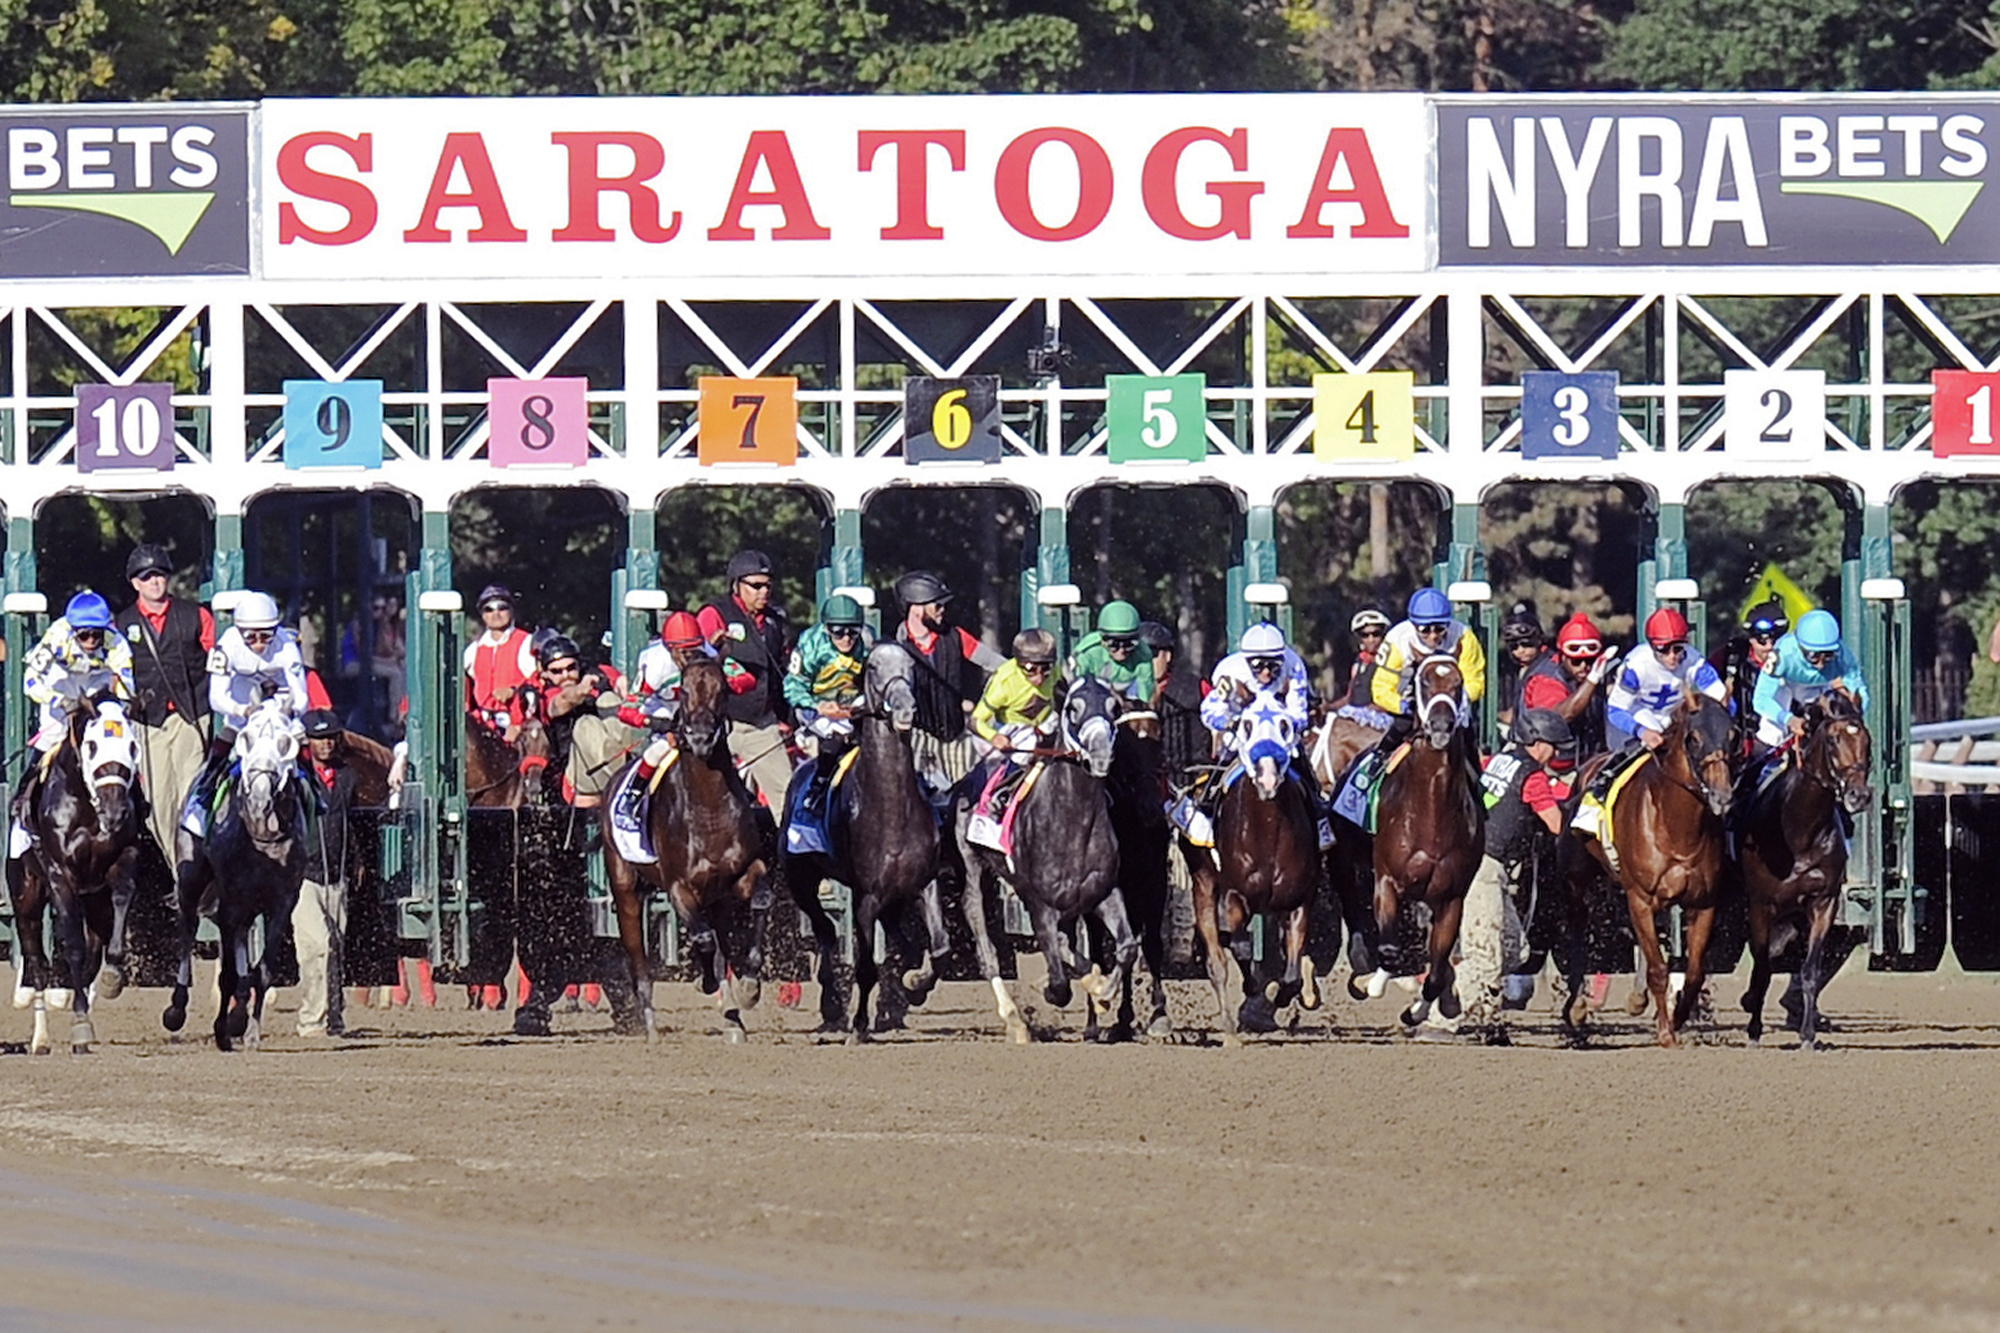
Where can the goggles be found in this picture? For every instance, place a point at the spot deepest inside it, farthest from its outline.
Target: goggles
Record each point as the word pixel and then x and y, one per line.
pixel 488 608
pixel 1820 659
pixel 1037 668
pixel 1582 650
pixel 259 635
pixel 1371 632
pixel 1266 663
pixel 91 634
pixel 1122 643
pixel 1674 648
pixel 843 631
pixel 1434 628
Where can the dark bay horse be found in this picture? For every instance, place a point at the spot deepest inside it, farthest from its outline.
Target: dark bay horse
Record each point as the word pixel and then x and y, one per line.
pixel 708 836
pixel 1266 860
pixel 885 841
pixel 1668 837
pixel 1065 860
pixel 85 825
pixel 250 865
pixel 1138 790
pixel 501 774
pixel 1793 850
pixel 1429 837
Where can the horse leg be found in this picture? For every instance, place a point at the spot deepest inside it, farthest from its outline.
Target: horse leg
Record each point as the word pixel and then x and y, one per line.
pixel 77 959
pixel 1048 930
pixel 865 910
pixel 1439 982
pixel 973 900
pixel 1117 923
pixel 1388 927
pixel 31 959
pixel 1255 1014
pixel 1299 983
pixel 919 981
pixel 189 881
pixel 1811 974
pixel 1699 924
pixel 1153 944
pixel 1641 909
pixel 1760 968
pixel 111 979
pixel 1201 869
pixel 226 963
pixel 804 886
pixel 631 1015
pixel 753 890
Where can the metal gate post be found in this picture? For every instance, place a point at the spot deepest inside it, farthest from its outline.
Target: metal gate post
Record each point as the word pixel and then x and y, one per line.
pixel 1259 564
pixel 843 567
pixel 228 567
pixel 21 627
pixel 1881 871
pixel 1667 560
pixel 631 627
pixel 1051 568
pixel 433 801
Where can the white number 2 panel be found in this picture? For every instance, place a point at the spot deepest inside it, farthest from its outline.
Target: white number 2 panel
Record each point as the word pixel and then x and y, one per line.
pixel 1774 413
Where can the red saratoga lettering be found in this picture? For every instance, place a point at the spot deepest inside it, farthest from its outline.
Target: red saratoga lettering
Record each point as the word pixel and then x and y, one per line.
pixel 482 191
pixel 1094 184
pixel 913 178
pixel 587 184
pixel 351 195
pixel 1157 185
pixel 788 191
pixel 1378 221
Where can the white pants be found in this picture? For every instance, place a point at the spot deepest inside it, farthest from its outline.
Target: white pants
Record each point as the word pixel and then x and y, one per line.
pixel 1491 940
pixel 318 923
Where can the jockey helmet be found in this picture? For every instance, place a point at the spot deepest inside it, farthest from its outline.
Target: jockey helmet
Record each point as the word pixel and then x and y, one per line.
pixel 1767 619
pixel 1118 618
pixel 87 610
pixel 1818 632
pixel 920 587
pixel 148 558
pixel 1035 647
pixel 495 592
pixel 1368 618
pixel 1428 606
pixel 1546 724
pixel 256 610
pixel 840 609
pixel 555 648
pixel 322 724
pixel 1666 627
pixel 1579 637
pixel 1262 639
pixel 682 630
pixel 1157 637
pixel 747 565
pixel 1522 630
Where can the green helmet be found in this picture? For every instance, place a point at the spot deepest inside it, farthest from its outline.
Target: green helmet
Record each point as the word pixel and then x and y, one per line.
pixel 1120 618
pixel 840 609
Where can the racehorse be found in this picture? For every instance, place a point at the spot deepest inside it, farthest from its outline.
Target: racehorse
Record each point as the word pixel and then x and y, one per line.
pixel 1138 790
pixel 1669 844
pixel 884 835
pixel 1265 861
pixel 84 823
pixel 1064 861
pixel 1430 835
pixel 706 833
pixel 250 865
pixel 372 762
pixel 501 774
pixel 1793 850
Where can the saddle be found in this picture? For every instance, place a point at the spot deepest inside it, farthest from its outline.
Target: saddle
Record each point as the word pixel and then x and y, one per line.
pixel 811 801
pixel 1357 800
pixel 992 823
pixel 1600 798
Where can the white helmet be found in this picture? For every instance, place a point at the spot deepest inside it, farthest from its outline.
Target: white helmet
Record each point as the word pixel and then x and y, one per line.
pixel 256 610
pixel 1262 639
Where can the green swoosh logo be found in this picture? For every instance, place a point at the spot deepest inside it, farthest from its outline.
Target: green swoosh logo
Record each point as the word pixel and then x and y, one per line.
pixel 1939 205
pixel 171 217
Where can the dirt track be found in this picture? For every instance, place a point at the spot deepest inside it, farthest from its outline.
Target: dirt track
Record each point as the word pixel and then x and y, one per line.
pixel 437 1173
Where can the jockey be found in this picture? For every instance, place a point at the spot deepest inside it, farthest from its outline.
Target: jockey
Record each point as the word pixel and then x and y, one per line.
pixel 655 709
pixel 823 686
pixel 76 646
pixel 1807 663
pixel 254 655
pixel 1111 652
pixel 1016 714
pixel 498 663
pixel 1370 627
pixel 1262 665
pixel 1654 676
pixel 1571 683
pixel 1744 657
pixel 1428 630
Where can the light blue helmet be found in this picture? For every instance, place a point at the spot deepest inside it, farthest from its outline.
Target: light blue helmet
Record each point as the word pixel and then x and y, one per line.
pixel 87 610
pixel 1818 632
pixel 1428 606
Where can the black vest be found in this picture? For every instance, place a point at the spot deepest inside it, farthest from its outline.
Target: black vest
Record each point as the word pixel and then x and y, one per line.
pixel 1184 734
pixel 1588 727
pixel 1510 824
pixel 171 668
pixel 941 683
pixel 762 654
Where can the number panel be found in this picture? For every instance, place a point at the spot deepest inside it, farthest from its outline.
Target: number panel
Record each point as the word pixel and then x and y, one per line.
pixel 1371 416
pixel 123 427
pixel 1569 416
pixel 333 425
pixel 1148 418
pixel 539 423
pixel 951 420
pixel 748 420
pixel 1962 403
pixel 1774 414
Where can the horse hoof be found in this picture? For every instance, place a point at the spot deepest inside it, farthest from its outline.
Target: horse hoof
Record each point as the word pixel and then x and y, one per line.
pixel 23 997
pixel 110 983
pixel 82 1036
pixel 1272 990
pixel 1058 994
pixel 239 1022
pixel 41 1048
pixel 1017 1033
pixel 918 985
pixel 859 1037
pixel 1161 1027
pixel 1309 995
pixel 748 990
pixel 1256 1016
pixel 733 1034
pixel 1231 1041
pixel 58 997
pixel 174 1018
pixel 1637 1002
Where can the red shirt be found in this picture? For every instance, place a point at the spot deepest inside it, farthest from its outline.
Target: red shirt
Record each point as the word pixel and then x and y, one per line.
pixel 1541 692
pixel 159 623
pixel 713 627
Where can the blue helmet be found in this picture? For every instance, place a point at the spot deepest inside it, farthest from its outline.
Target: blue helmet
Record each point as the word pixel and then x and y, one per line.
pixel 1428 606
pixel 1818 632
pixel 87 610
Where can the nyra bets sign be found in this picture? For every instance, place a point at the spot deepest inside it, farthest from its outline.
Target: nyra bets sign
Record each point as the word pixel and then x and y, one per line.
pixel 777 187
pixel 1718 180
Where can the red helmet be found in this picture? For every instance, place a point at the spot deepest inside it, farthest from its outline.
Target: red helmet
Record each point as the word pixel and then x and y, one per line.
pixel 1578 637
pixel 682 630
pixel 1665 627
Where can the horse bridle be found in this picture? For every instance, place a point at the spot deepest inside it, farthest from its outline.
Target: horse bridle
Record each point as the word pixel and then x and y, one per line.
pixel 1424 707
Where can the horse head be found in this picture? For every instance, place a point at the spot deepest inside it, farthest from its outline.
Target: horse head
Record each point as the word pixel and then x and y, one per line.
pixel 889 684
pixel 1838 751
pixel 531 742
pixel 108 752
pixel 1267 739
pixel 267 749
pixel 1706 735
pixel 1440 698
pixel 1090 723
pixel 701 723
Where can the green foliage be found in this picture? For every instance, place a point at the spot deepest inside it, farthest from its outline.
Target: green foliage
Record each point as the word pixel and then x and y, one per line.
pixel 1793 45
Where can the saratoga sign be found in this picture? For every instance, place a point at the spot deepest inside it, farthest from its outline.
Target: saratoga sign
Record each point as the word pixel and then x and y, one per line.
pixel 1291 184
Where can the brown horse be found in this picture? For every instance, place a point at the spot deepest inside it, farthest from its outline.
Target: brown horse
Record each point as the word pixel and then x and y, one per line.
pixel 1265 862
pixel 1793 850
pixel 1430 836
pixel 1667 830
pixel 501 774
pixel 707 833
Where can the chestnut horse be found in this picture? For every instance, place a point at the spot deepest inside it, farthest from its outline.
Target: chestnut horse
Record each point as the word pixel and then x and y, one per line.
pixel 1667 831
pixel 1793 850
pixel 708 835
pixel 1430 836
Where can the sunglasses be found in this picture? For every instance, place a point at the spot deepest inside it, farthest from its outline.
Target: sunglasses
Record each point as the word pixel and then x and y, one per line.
pixel 1266 663
pixel 844 631
pixel 759 585
pixel 145 574
pixel 259 635
pixel 562 668
pixel 490 607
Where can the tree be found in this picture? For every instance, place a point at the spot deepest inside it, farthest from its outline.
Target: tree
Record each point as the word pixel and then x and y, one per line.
pixel 1784 45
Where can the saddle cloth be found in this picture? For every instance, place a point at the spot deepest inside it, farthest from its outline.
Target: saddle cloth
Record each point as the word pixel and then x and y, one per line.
pixel 1593 813
pixel 997 835
pixel 806 827
pixel 1360 791
pixel 637 847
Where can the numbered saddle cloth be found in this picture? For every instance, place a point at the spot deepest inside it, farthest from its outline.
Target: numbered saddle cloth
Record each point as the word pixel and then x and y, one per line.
pixel 806 821
pixel 1356 800
pixel 1593 813
pixel 636 846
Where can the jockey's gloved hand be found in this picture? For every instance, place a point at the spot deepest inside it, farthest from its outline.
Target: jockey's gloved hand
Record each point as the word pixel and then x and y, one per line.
pixel 1602 666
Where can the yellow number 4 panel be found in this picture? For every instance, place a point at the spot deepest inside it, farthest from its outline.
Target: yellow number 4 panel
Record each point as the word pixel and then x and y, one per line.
pixel 1365 416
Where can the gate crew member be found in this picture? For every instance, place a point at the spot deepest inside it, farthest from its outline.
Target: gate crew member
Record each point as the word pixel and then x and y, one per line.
pixel 1571 683
pixel 1744 657
pixel 579 712
pixel 1429 629
pixel 1526 647
pixel 1112 653
pixel 170 639
pixel 78 645
pixel 252 653
pixel 319 920
pixel 498 663
pixel 952 667
pixel 1177 699
pixel 749 631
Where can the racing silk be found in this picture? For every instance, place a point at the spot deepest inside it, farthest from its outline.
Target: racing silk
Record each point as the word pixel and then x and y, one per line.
pixel 1132 678
pixel 819 672
pixel 56 667
pixel 1012 701
pixel 1401 651
pixel 237 674
pixel 1787 679
pixel 492 665
pixel 1647 689
pixel 1290 693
